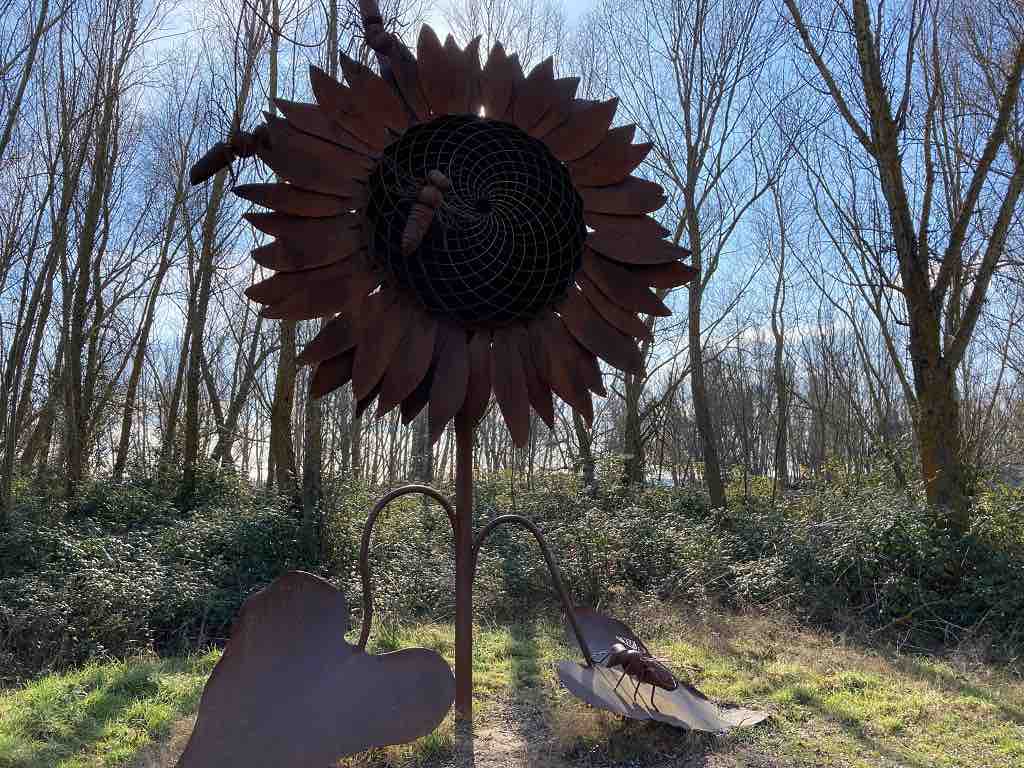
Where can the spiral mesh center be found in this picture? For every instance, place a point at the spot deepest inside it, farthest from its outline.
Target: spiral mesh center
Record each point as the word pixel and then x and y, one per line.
pixel 509 236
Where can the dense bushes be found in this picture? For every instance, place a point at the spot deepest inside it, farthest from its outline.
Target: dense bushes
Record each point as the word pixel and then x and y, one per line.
pixel 123 568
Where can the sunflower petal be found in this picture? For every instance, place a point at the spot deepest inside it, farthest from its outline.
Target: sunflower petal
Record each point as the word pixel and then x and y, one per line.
pixel 364 403
pixel 537 389
pixel 555 357
pixel 435 70
pixel 634 226
pixel 621 286
pixel 625 321
pixel 478 389
pixel 289 199
pixel 312 163
pixel 536 95
pixel 448 390
pixel 630 197
pixel 281 286
pixel 472 57
pixel 560 111
pixel 376 97
pixel 498 82
pixel 381 325
pixel 509 383
pixel 306 242
pixel 457 102
pixel 666 276
pixel 611 161
pixel 585 129
pixel 629 249
pixel 317 298
pixel 337 336
pixel 419 397
pixel 341 105
pixel 411 362
pixel 407 76
pixel 332 373
pixel 594 333
pixel 313 120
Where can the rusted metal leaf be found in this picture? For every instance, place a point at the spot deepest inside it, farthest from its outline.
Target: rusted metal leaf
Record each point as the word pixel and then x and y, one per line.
pixel 332 373
pixel 473 72
pixel 612 161
pixel 585 129
pixel 337 336
pixel 289 691
pixel 313 120
pixel 448 390
pixel 478 388
pixel 557 362
pixel 560 111
pixel 313 164
pixel 594 333
pixel 376 98
pixel 629 249
pixel 381 325
pixel 278 288
pixel 418 398
pixel 536 95
pixel 289 199
pixel 509 384
pixel 635 226
pixel 630 197
pixel 457 97
pixel 625 321
pixel 305 243
pixel 435 70
pixel 411 362
pixel 621 286
pixel 666 276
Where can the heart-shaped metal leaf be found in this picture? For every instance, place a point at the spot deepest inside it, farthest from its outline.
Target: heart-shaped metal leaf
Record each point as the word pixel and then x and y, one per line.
pixel 289 692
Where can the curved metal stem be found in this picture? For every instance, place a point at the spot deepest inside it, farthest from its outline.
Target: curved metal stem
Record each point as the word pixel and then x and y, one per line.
pixel 556 576
pixel 364 550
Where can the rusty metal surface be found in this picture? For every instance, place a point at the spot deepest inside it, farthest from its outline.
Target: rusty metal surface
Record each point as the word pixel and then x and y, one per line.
pixel 478 386
pixel 289 692
pixel 583 132
pixel 682 707
pixel 623 319
pixel 612 160
pixel 631 248
pixel 535 95
pixel 509 384
pixel 630 197
pixel 620 286
pixel 464 570
pixel 597 335
pixel 448 390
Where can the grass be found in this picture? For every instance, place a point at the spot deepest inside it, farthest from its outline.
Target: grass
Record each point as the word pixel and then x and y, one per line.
pixel 833 703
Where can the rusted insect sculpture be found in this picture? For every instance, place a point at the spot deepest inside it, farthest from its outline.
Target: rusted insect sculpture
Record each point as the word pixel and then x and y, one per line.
pixel 637 663
pixel 466 230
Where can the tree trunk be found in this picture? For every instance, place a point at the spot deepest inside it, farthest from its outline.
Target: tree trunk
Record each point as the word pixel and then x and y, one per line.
pixel 701 410
pixel 635 454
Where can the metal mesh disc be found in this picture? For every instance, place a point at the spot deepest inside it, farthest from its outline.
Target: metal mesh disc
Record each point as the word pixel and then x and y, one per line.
pixel 508 238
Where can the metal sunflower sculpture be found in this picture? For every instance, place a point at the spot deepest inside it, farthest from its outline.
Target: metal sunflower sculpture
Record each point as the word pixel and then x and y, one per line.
pixel 467 230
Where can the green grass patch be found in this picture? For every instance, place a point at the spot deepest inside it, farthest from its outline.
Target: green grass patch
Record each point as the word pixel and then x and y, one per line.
pixel 102 714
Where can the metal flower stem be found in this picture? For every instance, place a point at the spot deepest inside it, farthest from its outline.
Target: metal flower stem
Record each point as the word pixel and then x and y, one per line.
pixel 464 569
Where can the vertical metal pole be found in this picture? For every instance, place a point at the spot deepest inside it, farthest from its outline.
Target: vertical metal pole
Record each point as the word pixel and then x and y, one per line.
pixel 464 570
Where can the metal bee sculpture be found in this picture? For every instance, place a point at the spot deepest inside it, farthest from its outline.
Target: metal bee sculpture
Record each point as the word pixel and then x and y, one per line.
pixel 463 230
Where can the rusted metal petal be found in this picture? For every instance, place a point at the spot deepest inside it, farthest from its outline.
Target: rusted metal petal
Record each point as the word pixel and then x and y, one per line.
pixel 312 119
pixel 594 333
pixel 283 285
pixel 448 390
pixel 381 325
pixel 411 361
pixel 340 105
pixel 407 75
pixel 322 299
pixel 478 388
pixel 630 197
pixel 585 129
pixel 536 95
pixel 666 276
pixel 625 321
pixel 289 199
pixel 634 226
pixel 457 101
pixel 472 75
pixel 313 164
pixel 418 398
pixel 376 98
pixel 557 361
pixel 560 111
pixel 612 161
pixel 337 336
pixel 685 707
pixel 498 82
pixel 435 70
pixel 332 373
pixel 537 389
pixel 509 384
pixel 629 249
pixel 289 691
pixel 363 405
pixel 305 243
pixel 621 286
